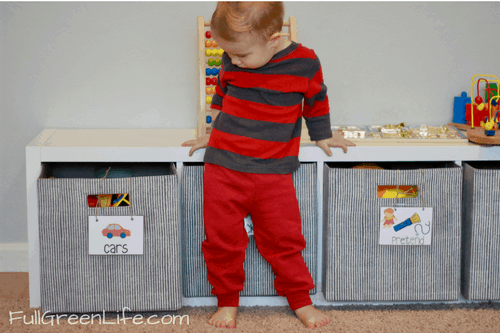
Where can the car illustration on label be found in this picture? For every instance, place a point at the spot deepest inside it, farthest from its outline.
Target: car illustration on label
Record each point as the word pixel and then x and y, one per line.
pixel 115 230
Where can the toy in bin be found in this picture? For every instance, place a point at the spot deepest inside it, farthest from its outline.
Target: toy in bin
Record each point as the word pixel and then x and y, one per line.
pixel 484 113
pixel 104 200
pixel 109 200
pixel 120 199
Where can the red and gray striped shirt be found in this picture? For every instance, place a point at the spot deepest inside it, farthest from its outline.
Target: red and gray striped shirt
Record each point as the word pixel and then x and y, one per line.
pixel 258 129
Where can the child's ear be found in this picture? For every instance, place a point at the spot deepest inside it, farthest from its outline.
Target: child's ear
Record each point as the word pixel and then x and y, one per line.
pixel 275 39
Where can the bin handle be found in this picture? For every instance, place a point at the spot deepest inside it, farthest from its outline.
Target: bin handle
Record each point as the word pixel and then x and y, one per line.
pixel 421 191
pixel 131 213
pixel 397 193
pixel 98 203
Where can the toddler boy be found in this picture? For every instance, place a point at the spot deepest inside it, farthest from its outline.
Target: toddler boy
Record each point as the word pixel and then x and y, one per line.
pixel 252 152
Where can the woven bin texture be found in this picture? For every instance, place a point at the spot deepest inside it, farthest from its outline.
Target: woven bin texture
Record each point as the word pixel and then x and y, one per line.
pixel 357 268
pixel 74 281
pixel 481 262
pixel 259 277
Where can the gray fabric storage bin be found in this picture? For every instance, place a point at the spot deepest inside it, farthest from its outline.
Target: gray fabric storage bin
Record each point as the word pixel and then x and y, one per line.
pixel 357 268
pixel 259 277
pixel 71 280
pixel 481 226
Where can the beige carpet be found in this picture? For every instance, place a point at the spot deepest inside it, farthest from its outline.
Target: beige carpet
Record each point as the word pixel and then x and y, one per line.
pixel 472 317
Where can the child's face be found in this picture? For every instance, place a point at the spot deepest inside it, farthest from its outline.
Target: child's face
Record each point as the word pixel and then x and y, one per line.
pixel 248 51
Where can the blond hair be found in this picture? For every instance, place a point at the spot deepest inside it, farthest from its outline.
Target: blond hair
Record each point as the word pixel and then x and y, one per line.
pixel 263 19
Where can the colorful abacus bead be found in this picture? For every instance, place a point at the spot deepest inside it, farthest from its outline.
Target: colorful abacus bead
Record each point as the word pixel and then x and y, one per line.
pixel 214 81
pixel 211 62
pixel 208 34
pixel 208 52
pixel 209 81
pixel 208 43
pixel 209 119
pixel 209 100
pixel 214 44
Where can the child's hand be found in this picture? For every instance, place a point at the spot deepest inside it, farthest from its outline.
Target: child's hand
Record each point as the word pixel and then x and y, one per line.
pixel 201 142
pixel 337 140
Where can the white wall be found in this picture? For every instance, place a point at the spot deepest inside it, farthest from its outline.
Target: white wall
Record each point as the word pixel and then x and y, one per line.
pixel 133 65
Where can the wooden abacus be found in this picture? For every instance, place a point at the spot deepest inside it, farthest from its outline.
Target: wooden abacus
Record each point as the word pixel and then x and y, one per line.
pixel 204 122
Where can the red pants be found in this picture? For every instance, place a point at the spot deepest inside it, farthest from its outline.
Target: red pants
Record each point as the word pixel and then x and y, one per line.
pixel 271 200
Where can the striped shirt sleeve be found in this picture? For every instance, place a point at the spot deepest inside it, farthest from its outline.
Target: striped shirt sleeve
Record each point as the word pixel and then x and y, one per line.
pixel 316 110
pixel 221 87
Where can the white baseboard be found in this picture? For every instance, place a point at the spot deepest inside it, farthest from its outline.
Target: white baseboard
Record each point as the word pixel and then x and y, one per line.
pixel 14 257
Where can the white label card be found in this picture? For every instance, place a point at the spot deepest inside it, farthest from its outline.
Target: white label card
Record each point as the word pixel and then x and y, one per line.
pixel 116 235
pixel 405 226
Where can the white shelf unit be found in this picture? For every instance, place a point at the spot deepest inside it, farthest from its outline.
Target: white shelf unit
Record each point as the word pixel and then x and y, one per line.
pixel 164 145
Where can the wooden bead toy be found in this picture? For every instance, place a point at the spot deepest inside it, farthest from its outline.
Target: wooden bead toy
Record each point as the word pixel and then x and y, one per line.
pixel 485 110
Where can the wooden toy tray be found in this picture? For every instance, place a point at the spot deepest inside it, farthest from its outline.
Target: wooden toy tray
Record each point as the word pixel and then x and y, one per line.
pixel 399 135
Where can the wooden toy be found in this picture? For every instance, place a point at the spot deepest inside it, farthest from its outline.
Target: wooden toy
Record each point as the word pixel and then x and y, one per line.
pixel 482 112
pixel 390 135
pixel 209 61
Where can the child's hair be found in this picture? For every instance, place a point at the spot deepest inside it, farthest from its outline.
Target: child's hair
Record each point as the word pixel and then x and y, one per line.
pixel 261 18
pixel 389 210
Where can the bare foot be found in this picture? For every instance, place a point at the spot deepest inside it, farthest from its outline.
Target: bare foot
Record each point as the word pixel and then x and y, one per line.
pixel 224 317
pixel 311 317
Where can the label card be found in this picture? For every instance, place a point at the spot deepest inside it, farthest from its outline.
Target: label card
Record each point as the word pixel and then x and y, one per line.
pixel 405 226
pixel 116 235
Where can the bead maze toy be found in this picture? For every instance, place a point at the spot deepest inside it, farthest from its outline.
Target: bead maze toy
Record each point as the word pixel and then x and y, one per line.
pixel 209 62
pixel 484 116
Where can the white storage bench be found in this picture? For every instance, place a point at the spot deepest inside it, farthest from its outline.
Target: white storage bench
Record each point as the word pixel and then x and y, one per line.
pixel 164 146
